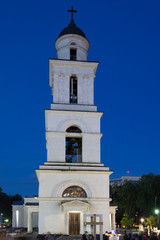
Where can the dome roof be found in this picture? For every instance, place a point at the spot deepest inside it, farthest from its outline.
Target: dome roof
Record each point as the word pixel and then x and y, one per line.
pixel 72 29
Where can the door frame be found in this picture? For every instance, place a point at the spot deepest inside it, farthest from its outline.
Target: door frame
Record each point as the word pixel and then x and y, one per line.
pixel 80 221
pixel 78 213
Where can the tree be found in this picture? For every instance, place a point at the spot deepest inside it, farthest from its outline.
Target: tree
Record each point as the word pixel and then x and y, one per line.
pixel 148 197
pixel 124 196
pixel 126 221
pixel 6 202
pixel 137 199
pixel 151 222
pixel 117 198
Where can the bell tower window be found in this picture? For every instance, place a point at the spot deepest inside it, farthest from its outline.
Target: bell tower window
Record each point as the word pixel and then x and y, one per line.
pixel 73 54
pixel 74 145
pixel 73 89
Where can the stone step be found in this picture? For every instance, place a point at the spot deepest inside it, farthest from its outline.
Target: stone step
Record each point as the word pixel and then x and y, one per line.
pixel 70 237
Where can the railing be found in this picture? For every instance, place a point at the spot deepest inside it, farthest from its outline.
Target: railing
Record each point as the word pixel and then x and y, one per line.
pixel 73 158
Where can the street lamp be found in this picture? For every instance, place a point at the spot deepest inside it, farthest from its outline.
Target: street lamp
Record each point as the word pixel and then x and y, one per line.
pixel 142 221
pixel 156 211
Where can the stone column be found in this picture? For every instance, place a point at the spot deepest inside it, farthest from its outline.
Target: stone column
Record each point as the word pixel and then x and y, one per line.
pixel 65 223
pixel 64 89
pixel 81 222
pixel 81 89
pixel 113 221
pixel 20 218
pixel 13 217
pixel 90 87
pixel 55 88
pixel 29 222
pixel 101 226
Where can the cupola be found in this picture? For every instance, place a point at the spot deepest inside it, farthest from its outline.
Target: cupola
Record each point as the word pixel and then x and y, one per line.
pixel 72 43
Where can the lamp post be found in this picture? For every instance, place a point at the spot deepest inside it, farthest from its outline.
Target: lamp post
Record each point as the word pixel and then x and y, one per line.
pixel 142 222
pixel 1 218
pixel 157 213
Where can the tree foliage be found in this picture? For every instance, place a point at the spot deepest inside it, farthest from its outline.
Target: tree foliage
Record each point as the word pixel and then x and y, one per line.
pixel 151 221
pixel 137 199
pixel 126 221
pixel 6 204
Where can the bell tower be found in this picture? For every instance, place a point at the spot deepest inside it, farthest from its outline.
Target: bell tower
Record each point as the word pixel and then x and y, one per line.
pixel 72 126
pixel 71 78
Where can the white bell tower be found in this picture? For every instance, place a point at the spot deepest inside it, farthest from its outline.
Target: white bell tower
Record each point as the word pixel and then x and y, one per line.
pixel 73 180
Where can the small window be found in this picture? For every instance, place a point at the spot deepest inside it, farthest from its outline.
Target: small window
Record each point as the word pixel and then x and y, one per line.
pixel 73 54
pixel 74 192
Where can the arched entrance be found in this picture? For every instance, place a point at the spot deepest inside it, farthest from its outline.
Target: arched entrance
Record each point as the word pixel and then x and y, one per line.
pixel 74 209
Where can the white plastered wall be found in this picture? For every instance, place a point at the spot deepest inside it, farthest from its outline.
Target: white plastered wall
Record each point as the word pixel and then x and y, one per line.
pixel 60 72
pixel 50 199
pixel 17 216
pixel 56 124
pixel 64 43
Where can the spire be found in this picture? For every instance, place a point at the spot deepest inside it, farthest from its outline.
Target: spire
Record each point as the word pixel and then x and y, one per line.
pixel 72 28
pixel 72 11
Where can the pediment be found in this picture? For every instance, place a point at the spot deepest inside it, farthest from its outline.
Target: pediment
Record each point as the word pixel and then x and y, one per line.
pixel 75 203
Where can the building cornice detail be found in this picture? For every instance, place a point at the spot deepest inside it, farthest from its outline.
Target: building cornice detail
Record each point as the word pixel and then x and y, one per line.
pixel 65 74
pixel 108 172
pixel 74 113
pixel 48 199
pixel 53 133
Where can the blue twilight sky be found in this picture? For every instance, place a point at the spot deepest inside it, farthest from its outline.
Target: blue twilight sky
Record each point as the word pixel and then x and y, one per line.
pixel 124 37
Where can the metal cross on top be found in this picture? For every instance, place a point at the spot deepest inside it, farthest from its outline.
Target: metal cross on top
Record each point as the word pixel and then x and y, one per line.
pixel 72 11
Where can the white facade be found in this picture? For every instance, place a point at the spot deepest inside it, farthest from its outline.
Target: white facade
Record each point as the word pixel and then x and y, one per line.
pixel 25 214
pixel 73 183
pixel 64 43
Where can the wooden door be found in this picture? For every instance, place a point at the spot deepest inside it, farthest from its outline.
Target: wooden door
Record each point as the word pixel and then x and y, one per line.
pixel 74 223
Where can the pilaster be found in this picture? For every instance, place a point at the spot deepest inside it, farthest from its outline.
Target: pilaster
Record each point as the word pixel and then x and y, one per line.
pixel 29 222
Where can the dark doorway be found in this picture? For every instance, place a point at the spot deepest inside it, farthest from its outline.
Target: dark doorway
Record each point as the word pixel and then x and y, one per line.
pixel 74 223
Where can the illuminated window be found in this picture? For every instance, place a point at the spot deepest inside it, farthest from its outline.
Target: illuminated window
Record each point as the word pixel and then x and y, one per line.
pixel 74 192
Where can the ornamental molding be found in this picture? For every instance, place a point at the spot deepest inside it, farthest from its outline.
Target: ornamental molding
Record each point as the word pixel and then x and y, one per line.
pixel 65 134
pixel 79 75
pixel 59 189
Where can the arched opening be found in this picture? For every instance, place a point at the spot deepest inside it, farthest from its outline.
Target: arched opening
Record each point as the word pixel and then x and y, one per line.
pixel 73 53
pixel 74 192
pixel 73 89
pixel 73 129
pixel 73 145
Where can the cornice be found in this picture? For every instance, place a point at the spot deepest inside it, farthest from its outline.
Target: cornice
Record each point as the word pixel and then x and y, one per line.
pixel 53 133
pixel 74 113
pixel 53 199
